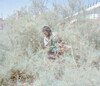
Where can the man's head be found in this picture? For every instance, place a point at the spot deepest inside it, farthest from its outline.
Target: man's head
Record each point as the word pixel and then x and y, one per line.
pixel 47 31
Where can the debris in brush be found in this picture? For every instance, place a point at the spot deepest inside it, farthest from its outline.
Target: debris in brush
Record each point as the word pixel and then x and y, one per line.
pixel 59 75
pixel 96 63
pixel 3 82
pixel 17 75
pixel 77 58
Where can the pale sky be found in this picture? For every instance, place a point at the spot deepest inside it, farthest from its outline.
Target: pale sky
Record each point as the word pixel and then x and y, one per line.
pixel 7 7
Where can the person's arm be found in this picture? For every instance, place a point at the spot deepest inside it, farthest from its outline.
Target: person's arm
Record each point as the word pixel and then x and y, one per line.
pixel 42 43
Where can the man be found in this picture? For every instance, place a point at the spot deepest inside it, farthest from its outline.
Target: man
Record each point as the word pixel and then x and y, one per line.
pixel 53 42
